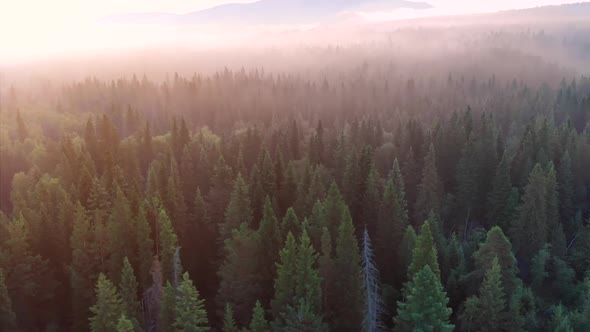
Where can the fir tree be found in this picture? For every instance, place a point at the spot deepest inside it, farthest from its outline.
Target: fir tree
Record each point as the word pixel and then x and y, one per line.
pixel 128 289
pixel 430 189
pixel 168 245
pixel 229 323
pixel 124 324
pixel 108 306
pixel 145 246
pixel 189 311
pixel 348 287
pixel 424 253
pixel 487 312
pixel 270 237
pixel 425 304
pixel 258 323
pixel 499 207
pixel 167 308
pixel 290 223
pixel 239 209
pixel 286 278
pixel 406 249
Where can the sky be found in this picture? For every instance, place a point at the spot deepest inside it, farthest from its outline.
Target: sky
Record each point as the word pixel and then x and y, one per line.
pixel 44 27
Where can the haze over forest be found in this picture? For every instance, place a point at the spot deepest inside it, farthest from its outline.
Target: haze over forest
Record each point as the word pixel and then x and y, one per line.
pixel 294 165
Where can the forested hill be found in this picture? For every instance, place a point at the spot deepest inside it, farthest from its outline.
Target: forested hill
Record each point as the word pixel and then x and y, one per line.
pixel 372 199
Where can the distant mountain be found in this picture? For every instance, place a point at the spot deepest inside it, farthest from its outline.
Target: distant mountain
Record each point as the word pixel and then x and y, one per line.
pixel 267 12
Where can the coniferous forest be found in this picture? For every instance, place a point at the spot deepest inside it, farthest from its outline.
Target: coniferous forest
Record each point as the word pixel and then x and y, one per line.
pixel 357 195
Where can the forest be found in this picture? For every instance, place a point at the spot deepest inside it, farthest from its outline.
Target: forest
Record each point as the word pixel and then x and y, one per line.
pixel 359 194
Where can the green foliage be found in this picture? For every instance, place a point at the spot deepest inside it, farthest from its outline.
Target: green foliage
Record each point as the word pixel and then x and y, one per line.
pixel 425 304
pixel 430 194
pixel 128 289
pixel 108 307
pixel 167 309
pixel 239 210
pixel 189 311
pixel 168 245
pixel 258 323
pixel 290 223
pixel 124 324
pixel 229 323
pixel 424 253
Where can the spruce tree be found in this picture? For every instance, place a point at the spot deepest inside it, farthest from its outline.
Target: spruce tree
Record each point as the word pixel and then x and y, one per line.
pixel 290 223
pixel 189 311
pixel 430 193
pixel 307 284
pixel 499 208
pixel 565 178
pixel 258 323
pixel 238 211
pixel 128 289
pixel 286 278
pixel 497 245
pixel 168 245
pixel 530 232
pixel 121 230
pixel 406 250
pixel 108 307
pixel 348 286
pixel 424 307
pixel 424 253
pixel 229 323
pixel 271 241
pixel 487 312
pixel 145 245
pixel 125 325
pixel 167 309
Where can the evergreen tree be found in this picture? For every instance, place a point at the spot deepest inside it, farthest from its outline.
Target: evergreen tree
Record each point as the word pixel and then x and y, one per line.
pixel 307 284
pixel 303 318
pixel 487 312
pixel 326 270
pixel 241 283
pixel 499 207
pixel 239 209
pixel 258 322
pixel 189 311
pixel 121 230
pixel 270 237
pixel 286 278
pixel 565 178
pixel 128 289
pixel 168 245
pixel 424 253
pixel 425 304
pixel 348 287
pixel 229 323
pixel 430 189
pixel 145 246
pixel 406 249
pixel 124 324
pixel 7 316
pixel 374 308
pixel 167 308
pixel 391 223
pixel 497 246
pixel 108 306
pixel 529 233
pixel 290 223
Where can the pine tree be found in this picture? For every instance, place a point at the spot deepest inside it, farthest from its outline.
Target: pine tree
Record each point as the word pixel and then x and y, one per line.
pixel 239 210
pixel 430 189
pixel 565 178
pixel 124 324
pixel 128 289
pixel 303 318
pixel 348 287
pixel 229 323
pixel 499 207
pixel 425 304
pixel 497 245
pixel 487 312
pixel 326 270
pixel 406 249
pixel 371 201
pixel 241 283
pixel 258 322
pixel 7 316
pixel 167 308
pixel 168 245
pixel 108 306
pixel 290 223
pixel 122 239
pixel 530 232
pixel 189 311
pixel 424 253
pixel 286 278
pixel 391 223
pixel 307 284
pixel 145 246
pixel 271 241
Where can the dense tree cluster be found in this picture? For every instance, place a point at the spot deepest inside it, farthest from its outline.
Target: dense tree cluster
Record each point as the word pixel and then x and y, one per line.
pixel 246 201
